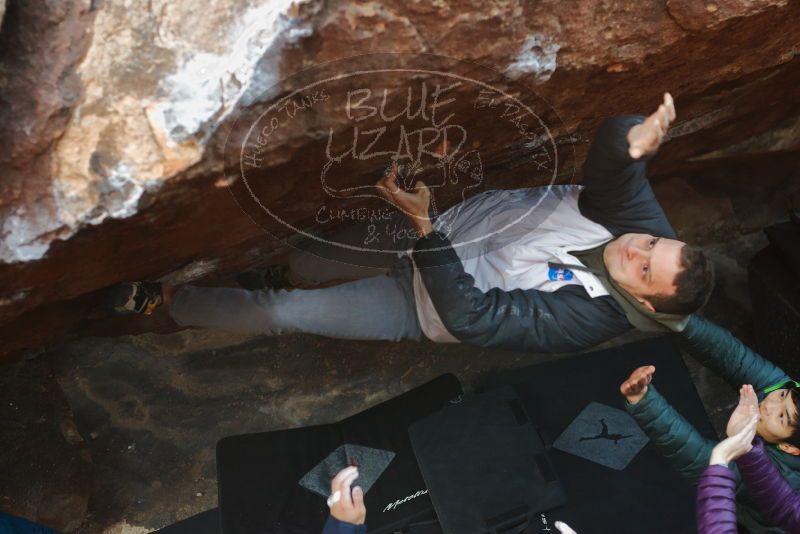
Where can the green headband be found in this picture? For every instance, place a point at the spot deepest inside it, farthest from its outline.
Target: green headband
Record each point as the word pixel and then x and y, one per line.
pixel 780 385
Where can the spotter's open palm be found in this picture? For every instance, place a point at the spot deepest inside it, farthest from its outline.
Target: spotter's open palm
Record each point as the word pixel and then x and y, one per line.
pixel 635 387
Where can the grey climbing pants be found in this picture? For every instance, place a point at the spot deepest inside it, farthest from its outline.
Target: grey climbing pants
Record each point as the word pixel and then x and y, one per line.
pixel 376 301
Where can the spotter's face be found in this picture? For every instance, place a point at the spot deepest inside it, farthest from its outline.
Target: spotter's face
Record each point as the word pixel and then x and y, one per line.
pixel 778 416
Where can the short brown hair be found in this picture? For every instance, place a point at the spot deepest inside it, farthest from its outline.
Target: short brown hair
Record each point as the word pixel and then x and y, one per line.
pixel 694 283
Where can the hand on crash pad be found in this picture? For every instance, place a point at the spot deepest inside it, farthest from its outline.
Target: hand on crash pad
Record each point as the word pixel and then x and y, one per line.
pixel 346 505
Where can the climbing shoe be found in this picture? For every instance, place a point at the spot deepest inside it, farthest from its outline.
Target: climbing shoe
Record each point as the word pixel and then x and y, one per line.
pixel 269 277
pixel 137 297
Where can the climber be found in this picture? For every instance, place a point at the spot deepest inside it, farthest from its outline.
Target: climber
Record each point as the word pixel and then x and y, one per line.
pixel 605 260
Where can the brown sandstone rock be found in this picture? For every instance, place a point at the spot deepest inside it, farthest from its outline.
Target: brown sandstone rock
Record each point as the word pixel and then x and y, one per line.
pixel 695 16
pixel 47 479
pixel 115 117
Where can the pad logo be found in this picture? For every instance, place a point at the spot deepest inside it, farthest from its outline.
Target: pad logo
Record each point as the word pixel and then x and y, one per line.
pixel 559 274
pixel 604 435
pixel 398 502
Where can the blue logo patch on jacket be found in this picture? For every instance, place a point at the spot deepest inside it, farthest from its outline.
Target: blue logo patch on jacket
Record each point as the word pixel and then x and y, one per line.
pixel 556 274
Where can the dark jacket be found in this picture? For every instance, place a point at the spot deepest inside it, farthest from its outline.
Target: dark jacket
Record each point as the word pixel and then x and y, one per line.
pixel 686 449
pixel 334 526
pixel 618 196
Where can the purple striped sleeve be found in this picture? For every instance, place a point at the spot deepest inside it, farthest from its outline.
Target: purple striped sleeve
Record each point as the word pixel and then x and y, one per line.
pixel 716 501
pixel 771 493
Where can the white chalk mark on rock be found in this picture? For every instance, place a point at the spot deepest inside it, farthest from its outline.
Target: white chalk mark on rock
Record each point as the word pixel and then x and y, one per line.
pixel 191 272
pixel 208 86
pixel 537 56
pixel 27 234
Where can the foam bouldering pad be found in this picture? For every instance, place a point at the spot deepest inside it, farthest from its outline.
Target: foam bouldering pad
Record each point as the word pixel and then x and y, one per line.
pixel 622 489
pixel 259 474
pixel 203 523
pixel 485 465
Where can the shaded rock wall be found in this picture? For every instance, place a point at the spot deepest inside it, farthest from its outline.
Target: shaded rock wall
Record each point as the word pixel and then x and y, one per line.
pixel 47 463
pixel 115 117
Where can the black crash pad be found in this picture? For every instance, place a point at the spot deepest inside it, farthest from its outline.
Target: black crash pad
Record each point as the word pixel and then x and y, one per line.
pixel 485 464
pixel 648 495
pixel 258 474
pixel 203 523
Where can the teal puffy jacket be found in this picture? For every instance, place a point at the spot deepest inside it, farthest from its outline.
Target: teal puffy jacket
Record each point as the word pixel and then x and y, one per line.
pixel 680 443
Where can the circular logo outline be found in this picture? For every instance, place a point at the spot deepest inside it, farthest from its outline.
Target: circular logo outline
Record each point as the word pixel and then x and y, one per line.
pixel 281 101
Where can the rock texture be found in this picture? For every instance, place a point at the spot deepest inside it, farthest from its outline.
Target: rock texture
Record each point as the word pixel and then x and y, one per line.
pixel 115 117
pixel 46 462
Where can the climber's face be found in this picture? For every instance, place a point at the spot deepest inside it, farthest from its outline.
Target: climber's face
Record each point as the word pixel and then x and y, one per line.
pixel 644 265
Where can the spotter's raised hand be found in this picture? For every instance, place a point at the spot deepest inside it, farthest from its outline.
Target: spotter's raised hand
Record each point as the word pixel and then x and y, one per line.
pixel 635 387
